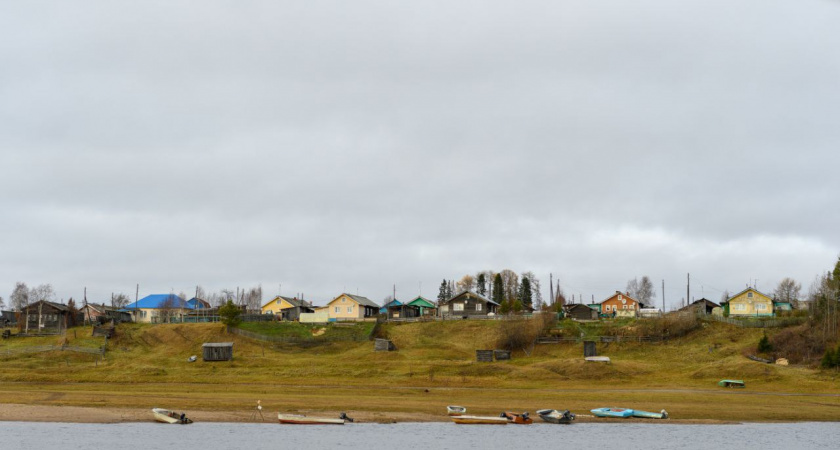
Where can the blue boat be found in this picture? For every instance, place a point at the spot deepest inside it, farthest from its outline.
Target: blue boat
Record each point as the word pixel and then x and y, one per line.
pixel 622 413
pixel 650 415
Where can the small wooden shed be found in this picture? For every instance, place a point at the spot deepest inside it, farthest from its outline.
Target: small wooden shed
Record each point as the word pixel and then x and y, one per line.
pixel 217 351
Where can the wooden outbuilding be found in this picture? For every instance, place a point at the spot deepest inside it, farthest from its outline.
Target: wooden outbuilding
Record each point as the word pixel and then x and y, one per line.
pixel 217 351
pixel 579 311
pixel 403 311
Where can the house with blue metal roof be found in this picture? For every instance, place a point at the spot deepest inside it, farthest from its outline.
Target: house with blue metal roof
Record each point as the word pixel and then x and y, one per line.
pixel 159 308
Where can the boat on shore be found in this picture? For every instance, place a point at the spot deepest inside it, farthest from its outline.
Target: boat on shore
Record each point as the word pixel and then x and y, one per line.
pixel 731 383
pixel 456 410
pixel 518 419
pixel 299 419
pixel 650 415
pixel 167 416
pixel 555 416
pixel 621 413
pixel 480 420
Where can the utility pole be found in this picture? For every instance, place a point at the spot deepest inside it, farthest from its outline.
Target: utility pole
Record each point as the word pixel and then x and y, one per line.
pixel 551 287
pixel 663 296
pixel 687 287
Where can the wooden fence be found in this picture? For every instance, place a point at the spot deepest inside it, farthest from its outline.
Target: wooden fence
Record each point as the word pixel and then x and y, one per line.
pixel 777 322
pixel 561 339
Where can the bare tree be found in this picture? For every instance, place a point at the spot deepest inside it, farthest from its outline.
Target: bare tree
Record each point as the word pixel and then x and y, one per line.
pixel 787 290
pixel 20 296
pixel 642 290
pixel 466 283
pixel 42 292
pixel 166 310
pixel 119 300
pixel 2 303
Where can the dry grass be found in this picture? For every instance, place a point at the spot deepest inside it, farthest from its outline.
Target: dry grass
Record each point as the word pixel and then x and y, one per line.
pixel 146 365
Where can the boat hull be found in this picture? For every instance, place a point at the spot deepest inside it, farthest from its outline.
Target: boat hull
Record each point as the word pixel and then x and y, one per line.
pixel 650 415
pixel 456 410
pixel 620 413
pixel 731 383
pixel 518 419
pixel 480 420
pixel 295 419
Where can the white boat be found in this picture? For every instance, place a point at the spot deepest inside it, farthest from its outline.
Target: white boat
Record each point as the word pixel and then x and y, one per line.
pixel 480 420
pixel 299 419
pixel 604 359
pixel 456 410
pixel 167 416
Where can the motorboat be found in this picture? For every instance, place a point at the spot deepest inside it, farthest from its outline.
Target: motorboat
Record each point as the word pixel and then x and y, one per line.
pixel 167 416
pixel 519 419
pixel 555 416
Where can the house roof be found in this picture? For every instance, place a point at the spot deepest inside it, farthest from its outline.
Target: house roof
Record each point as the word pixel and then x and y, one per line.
pixel 156 301
pixel 198 303
pixel 364 301
pixel 55 305
pixel 578 306
pixel 393 302
pixel 471 294
pixel 420 301
pixel 745 290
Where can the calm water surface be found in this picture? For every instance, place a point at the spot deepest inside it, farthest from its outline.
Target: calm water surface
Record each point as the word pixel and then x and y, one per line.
pixel 227 436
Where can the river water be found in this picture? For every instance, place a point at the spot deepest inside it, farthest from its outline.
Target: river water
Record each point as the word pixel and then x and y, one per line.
pixel 227 436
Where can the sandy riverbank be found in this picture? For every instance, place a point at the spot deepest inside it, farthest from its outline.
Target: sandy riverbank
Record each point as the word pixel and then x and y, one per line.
pixel 80 414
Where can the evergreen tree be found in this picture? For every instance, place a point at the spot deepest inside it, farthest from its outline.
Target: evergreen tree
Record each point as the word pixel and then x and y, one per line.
pixel 229 314
pixel 828 359
pixel 442 298
pixel 525 294
pixel 498 289
pixel 481 281
pixel 764 345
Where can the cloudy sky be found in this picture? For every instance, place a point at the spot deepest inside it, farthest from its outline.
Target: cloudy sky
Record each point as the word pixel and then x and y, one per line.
pixel 334 146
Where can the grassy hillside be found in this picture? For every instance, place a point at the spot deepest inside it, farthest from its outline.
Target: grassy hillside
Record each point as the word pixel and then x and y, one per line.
pixel 434 366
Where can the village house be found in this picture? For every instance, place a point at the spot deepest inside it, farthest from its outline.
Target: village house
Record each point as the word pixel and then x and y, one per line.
pixel 749 303
pixel 8 318
pixel 44 316
pixel 159 308
pixel 579 311
pixel 351 307
pixel 468 304
pixel 384 308
pixel 621 305
pixel 287 308
pixel 93 313
pixel 703 306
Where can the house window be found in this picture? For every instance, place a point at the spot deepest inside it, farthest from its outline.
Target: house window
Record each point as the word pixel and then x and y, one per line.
pixel 343 300
pixel 749 294
pixel 478 306
pixel 740 307
pixel 349 309
pixel 760 306
pixel 337 309
pixel 458 306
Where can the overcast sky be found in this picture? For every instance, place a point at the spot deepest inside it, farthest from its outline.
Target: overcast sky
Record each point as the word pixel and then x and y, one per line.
pixel 334 146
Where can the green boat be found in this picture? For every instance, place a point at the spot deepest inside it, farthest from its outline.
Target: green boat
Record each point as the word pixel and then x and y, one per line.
pixel 731 383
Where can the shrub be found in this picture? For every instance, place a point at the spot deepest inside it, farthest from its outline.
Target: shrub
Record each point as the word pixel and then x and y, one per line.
pixel 829 359
pixel 764 345
pixel 518 333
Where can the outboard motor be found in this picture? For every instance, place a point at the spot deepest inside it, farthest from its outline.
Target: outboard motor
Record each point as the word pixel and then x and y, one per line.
pixel 525 415
pixel 343 416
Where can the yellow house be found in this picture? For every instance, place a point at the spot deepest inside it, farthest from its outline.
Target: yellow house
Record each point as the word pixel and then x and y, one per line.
pixel 287 308
pixel 348 307
pixel 749 303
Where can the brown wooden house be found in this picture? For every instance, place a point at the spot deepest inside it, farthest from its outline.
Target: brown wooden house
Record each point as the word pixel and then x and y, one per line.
pixel 468 304
pixel 47 317
pixel 403 311
pixel 702 306
pixel 94 313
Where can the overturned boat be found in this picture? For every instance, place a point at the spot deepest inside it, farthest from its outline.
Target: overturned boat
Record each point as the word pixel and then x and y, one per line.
pixel 167 416
pixel 299 419
pixel 731 383
pixel 621 413
pixel 555 416
pixel 650 415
